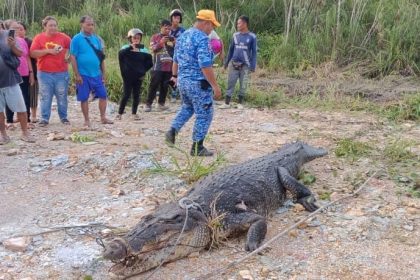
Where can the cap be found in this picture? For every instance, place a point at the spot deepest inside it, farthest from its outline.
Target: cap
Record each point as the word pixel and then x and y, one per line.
pixel 176 12
pixel 208 15
pixel 134 31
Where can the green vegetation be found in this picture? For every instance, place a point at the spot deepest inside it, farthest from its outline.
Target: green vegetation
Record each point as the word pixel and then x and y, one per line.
pixel 398 150
pixel 381 36
pixel 190 168
pixel 406 109
pixel 306 177
pixel 352 149
pixel 79 138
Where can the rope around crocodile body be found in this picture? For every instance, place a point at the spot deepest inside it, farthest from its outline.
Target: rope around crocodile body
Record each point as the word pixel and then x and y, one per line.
pixel 215 273
pixel 184 203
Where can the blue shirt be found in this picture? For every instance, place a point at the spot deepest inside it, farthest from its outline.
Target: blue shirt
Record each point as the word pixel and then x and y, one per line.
pixel 177 32
pixel 192 52
pixel 243 48
pixel 87 60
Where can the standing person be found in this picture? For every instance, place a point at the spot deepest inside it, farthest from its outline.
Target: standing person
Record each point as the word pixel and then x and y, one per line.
pixel 24 70
pixel 194 75
pixel 33 88
pixel 87 59
pixel 135 60
pixel 176 19
pixel 216 45
pixel 50 48
pixel 176 30
pixel 10 93
pixel 162 46
pixel 242 58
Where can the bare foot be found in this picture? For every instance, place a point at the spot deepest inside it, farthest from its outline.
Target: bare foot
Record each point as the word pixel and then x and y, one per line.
pixel 27 138
pixel 10 126
pixel 4 139
pixel 106 121
pixel 87 124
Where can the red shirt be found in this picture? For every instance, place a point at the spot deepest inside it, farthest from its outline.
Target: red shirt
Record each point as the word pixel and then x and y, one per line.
pixel 51 63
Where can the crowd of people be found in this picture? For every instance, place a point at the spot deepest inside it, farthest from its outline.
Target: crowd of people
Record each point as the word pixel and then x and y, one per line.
pixel 180 63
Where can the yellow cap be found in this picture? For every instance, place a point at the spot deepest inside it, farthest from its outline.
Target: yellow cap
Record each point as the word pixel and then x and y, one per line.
pixel 208 15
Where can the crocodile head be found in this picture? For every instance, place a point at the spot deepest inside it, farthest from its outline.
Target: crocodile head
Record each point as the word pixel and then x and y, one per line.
pixel 161 237
pixel 311 152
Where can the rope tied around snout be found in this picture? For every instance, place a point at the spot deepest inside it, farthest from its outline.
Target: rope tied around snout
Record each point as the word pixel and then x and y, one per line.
pixel 187 203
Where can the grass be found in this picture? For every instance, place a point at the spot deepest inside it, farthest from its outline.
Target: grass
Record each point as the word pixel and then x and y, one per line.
pixel 398 150
pixel 306 177
pixel 190 168
pixel 406 109
pixel 79 138
pixel 351 149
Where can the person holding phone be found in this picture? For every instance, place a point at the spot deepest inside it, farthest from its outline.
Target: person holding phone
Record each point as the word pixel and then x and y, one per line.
pixel 10 92
pixel 162 45
pixel 49 48
pixel 25 70
pixel 134 60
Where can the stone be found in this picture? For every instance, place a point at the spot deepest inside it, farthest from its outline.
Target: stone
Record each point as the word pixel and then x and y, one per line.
pixel 18 244
pixel 6 276
pixel 59 160
pixel 293 233
pixel 413 211
pixel 408 227
pixel 246 274
pixel 55 136
pixel 298 208
pixel 12 152
pixel 118 192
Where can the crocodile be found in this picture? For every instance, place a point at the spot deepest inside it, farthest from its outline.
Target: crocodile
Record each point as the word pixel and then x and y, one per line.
pixel 241 197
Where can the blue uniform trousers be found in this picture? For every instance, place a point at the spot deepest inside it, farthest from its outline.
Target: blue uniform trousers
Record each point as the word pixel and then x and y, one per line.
pixel 194 101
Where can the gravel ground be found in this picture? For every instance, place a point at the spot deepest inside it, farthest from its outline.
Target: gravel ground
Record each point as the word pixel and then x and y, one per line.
pixel 53 184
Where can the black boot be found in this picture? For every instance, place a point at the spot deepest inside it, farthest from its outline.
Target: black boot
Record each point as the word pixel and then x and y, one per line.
pixel 199 150
pixel 170 136
pixel 227 100
pixel 240 99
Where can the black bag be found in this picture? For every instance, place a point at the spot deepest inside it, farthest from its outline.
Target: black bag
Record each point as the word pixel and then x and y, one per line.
pixel 99 53
pixel 237 65
pixel 10 59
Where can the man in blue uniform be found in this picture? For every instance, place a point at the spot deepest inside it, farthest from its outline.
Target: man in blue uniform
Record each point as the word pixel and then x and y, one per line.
pixel 241 59
pixel 193 72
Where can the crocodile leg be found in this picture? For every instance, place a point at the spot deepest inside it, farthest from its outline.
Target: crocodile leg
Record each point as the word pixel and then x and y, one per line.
pixel 256 225
pixel 302 194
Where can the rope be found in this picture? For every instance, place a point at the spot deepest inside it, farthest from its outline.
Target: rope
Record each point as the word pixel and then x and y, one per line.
pixel 215 273
pixel 184 203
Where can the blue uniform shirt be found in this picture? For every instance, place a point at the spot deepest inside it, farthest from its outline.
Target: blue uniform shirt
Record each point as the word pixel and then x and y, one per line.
pixel 243 48
pixel 192 52
pixel 87 61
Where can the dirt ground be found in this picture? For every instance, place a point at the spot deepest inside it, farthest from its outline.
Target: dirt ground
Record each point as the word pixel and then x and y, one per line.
pixel 61 186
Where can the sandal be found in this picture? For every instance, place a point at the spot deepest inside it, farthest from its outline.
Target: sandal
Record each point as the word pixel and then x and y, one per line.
pixel 136 117
pixel 34 121
pixel 118 117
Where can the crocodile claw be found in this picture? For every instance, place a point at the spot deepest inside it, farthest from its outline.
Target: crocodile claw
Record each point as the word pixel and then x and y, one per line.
pixel 309 203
